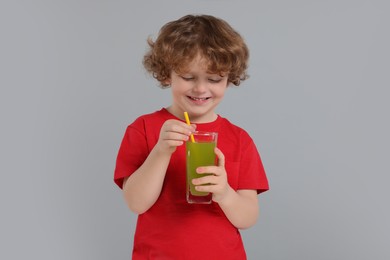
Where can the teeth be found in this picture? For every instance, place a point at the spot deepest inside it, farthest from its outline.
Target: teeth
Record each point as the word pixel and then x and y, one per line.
pixel 194 98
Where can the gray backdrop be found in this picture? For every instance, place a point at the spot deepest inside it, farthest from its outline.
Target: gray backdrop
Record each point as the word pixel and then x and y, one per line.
pixel 316 105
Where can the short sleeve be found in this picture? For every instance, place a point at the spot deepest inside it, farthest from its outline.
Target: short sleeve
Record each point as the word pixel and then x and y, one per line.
pixel 252 174
pixel 132 152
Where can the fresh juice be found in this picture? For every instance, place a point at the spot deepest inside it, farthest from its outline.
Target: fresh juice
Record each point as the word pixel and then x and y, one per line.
pixel 198 154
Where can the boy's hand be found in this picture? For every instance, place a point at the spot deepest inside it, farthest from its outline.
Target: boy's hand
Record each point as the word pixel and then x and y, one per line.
pixel 173 133
pixel 217 183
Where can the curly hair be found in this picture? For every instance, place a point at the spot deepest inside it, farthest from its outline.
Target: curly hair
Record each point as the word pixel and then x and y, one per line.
pixel 180 41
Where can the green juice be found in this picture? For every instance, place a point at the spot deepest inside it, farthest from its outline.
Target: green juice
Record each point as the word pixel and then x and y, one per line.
pixel 198 154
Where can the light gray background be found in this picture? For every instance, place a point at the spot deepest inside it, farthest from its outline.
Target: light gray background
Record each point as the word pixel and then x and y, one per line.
pixel 316 105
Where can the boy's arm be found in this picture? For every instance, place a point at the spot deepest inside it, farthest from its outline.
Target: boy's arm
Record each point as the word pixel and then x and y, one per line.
pixel 143 187
pixel 240 207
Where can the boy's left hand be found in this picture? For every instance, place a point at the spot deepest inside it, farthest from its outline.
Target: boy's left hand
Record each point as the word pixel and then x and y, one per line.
pixel 217 183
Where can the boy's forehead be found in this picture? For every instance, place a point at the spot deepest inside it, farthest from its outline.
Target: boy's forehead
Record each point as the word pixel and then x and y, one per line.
pixel 200 62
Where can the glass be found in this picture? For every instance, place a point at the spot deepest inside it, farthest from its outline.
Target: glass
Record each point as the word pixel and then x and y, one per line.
pixel 199 153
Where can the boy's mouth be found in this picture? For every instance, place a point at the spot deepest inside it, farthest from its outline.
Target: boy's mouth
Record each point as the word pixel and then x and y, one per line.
pixel 198 98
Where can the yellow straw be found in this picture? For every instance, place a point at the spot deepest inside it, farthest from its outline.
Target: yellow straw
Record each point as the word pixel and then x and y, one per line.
pixel 188 123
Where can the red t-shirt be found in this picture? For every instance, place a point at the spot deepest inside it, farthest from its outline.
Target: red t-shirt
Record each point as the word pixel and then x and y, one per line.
pixel 172 228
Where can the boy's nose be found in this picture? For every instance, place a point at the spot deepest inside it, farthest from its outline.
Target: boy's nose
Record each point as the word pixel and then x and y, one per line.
pixel 200 86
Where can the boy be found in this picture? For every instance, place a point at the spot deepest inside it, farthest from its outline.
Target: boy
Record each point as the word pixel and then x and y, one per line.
pixel 197 57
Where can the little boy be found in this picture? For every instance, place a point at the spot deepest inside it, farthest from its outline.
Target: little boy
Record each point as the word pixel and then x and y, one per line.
pixel 197 57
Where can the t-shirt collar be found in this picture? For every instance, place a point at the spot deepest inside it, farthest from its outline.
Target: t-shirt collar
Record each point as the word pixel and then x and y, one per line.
pixel 210 126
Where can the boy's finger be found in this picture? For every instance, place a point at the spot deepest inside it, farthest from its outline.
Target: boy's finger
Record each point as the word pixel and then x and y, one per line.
pixel 206 180
pixel 221 157
pixel 206 170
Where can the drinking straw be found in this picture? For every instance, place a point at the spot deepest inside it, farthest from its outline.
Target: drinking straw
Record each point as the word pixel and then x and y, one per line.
pixel 189 123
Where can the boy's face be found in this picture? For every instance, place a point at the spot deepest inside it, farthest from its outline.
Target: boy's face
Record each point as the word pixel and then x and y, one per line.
pixel 197 92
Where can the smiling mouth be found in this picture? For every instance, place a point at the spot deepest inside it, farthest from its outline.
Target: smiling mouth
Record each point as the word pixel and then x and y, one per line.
pixel 198 99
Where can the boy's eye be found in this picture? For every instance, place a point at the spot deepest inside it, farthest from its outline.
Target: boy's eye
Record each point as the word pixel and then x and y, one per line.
pixel 187 78
pixel 215 80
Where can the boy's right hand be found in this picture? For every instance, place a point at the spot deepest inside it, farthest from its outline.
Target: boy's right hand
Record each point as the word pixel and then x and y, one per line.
pixel 173 133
